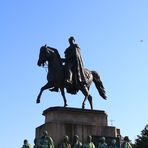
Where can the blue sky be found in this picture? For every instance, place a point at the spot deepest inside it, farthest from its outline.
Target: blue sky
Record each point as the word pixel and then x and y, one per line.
pixel 109 33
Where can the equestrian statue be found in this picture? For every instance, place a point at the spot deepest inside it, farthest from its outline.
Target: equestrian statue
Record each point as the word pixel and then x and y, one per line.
pixel 68 73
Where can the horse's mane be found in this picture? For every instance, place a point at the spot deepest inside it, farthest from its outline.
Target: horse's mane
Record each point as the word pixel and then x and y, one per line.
pixel 56 53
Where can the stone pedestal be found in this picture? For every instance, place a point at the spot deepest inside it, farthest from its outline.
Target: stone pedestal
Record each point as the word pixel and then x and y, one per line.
pixel 61 121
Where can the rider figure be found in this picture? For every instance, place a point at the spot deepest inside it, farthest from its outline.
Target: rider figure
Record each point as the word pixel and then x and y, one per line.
pixel 74 64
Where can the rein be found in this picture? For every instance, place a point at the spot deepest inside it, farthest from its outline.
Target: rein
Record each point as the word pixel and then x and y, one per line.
pixel 45 67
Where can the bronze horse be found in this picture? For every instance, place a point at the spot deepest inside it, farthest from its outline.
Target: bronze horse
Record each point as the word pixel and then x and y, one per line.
pixel 56 77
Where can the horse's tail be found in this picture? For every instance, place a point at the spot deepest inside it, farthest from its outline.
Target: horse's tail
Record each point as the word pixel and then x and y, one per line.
pixel 99 84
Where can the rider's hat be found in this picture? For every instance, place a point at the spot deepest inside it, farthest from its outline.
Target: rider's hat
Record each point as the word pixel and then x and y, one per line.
pixel 71 38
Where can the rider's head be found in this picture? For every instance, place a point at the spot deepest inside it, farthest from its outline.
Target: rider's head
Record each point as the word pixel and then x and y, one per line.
pixel 25 141
pixel 71 40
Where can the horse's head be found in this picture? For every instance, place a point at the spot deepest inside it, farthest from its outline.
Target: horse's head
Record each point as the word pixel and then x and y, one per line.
pixel 49 54
pixel 43 56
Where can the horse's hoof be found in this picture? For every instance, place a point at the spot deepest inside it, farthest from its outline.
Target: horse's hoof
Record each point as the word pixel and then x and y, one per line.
pixel 83 106
pixel 37 101
pixel 65 105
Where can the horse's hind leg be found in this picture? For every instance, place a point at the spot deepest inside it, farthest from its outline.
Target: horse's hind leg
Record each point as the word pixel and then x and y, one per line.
pixel 85 91
pixel 64 98
pixel 40 93
pixel 90 101
pixel 89 97
pixel 83 104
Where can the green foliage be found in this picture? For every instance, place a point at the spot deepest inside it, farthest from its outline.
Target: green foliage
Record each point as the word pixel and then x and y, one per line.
pixel 142 140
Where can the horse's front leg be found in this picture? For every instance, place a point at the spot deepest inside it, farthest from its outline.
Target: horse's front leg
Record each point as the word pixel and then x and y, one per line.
pixel 47 86
pixel 63 95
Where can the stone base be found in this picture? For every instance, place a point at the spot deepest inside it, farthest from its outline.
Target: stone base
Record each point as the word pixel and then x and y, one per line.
pixel 61 121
